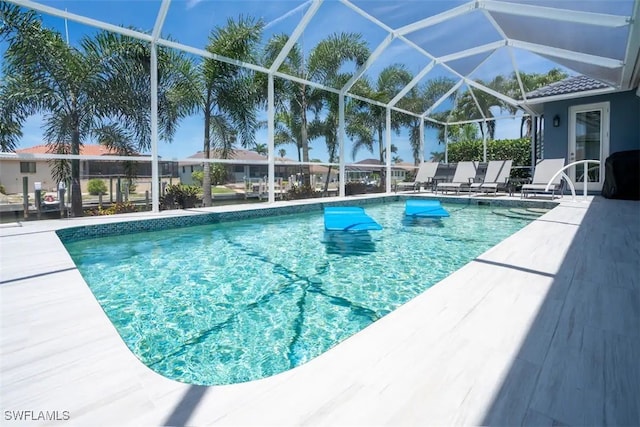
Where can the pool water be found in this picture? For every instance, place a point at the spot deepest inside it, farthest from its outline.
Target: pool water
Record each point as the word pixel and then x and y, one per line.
pixel 237 301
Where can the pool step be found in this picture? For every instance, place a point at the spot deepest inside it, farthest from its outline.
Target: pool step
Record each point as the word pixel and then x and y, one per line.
pixel 522 213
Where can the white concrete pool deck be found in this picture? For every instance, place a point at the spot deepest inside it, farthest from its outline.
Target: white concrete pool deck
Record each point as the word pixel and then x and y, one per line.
pixel 542 329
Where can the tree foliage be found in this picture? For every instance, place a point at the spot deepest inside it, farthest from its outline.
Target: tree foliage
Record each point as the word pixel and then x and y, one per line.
pixel 98 90
pixel 96 186
pixel 518 150
pixel 228 95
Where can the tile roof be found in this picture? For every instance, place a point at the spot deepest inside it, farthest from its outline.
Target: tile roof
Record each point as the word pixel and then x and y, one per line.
pixel 405 165
pixel 355 168
pixel 568 85
pixel 85 150
pixel 238 154
pixel 369 162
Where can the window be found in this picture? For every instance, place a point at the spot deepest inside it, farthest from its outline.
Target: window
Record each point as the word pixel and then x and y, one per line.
pixel 27 167
pixel 183 169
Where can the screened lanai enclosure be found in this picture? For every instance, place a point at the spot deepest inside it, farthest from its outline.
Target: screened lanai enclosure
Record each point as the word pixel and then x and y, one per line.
pixel 275 91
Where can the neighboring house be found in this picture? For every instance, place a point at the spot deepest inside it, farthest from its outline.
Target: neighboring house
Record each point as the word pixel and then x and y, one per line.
pixel 584 119
pixel 400 170
pixel 12 171
pixel 237 172
pixel 366 173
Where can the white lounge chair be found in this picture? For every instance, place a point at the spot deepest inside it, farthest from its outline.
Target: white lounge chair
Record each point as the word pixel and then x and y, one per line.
pixel 425 174
pixel 462 178
pixel 496 178
pixel 543 173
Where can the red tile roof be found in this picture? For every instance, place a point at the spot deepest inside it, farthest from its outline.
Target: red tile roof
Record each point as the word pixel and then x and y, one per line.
pixel 85 150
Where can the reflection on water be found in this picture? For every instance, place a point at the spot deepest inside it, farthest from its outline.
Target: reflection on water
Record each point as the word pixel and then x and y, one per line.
pixel 416 221
pixel 348 243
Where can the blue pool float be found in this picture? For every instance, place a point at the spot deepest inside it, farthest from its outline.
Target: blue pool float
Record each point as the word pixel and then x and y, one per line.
pixel 425 209
pixel 348 218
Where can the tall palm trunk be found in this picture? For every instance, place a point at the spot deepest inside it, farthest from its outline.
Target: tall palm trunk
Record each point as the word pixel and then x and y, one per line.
pixel 332 159
pixel 206 168
pixel 383 170
pixel 76 189
pixel 304 137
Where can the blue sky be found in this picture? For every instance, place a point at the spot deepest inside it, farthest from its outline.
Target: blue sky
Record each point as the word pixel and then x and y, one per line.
pixel 190 22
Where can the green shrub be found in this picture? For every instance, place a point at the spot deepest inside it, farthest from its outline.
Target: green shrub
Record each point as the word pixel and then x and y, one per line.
pixel 117 208
pixel 2 189
pixel 96 187
pixel 302 192
pixel 518 150
pixel 197 177
pixel 410 176
pixel 185 196
pixel 217 172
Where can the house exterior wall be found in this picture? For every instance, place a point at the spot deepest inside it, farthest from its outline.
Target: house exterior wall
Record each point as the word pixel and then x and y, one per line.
pixel 185 171
pixel 236 172
pixel 624 123
pixel 11 177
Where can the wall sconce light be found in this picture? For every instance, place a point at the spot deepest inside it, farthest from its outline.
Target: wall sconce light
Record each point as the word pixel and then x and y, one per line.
pixel 556 121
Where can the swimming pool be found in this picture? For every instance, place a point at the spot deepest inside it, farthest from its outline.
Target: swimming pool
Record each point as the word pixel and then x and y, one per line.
pixel 237 301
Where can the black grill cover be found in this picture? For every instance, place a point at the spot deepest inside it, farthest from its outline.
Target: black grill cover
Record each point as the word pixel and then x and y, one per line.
pixel 622 176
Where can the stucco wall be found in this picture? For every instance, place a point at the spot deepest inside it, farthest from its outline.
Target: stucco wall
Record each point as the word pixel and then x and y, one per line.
pixel 624 123
pixel 11 178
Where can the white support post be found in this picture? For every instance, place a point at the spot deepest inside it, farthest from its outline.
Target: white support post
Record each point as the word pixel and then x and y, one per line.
pixel 534 136
pixel 155 178
pixel 293 38
pixel 341 126
pixel 388 157
pixel 421 157
pixel 270 139
pixel 155 175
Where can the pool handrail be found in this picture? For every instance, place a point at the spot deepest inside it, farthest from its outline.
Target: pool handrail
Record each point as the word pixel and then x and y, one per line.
pixel 571 186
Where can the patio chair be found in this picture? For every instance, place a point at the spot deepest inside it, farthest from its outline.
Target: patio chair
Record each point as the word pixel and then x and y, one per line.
pixel 462 178
pixel 496 178
pixel 543 173
pixel 425 174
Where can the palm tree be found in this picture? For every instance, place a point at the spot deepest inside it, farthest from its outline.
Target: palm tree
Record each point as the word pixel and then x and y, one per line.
pixel 227 95
pixel 288 131
pixel 14 110
pixel 298 100
pixel 261 149
pixel 419 100
pixel 95 90
pixel 328 127
pixel 437 156
pixel 282 153
pixel 390 81
pixel 530 82
pixel 467 109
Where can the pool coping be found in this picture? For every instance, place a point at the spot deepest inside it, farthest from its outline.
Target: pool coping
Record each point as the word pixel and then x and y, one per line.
pixel 60 352
pixel 206 216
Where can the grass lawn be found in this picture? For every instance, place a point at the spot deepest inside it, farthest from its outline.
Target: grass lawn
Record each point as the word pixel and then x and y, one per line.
pixel 221 190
